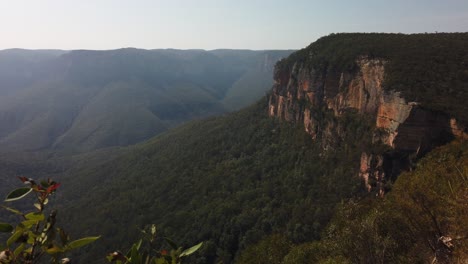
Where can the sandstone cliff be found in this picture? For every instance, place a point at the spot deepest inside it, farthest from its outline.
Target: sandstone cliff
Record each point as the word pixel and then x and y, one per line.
pixel 303 93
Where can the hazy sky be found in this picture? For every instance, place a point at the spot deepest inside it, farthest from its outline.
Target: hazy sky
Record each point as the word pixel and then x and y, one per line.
pixel 211 24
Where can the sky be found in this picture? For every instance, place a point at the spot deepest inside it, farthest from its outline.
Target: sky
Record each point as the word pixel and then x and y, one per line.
pixel 213 24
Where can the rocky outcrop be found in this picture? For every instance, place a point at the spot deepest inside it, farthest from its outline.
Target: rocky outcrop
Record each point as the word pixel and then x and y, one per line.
pixel 458 130
pixel 362 91
pixel 391 113
pixel 371 169
pixel 301 94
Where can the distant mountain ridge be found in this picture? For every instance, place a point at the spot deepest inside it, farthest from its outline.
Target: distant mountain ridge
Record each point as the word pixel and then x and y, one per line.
pixel 83 99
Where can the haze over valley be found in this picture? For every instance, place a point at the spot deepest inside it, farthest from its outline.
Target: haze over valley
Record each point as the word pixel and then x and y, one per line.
pixel 84 100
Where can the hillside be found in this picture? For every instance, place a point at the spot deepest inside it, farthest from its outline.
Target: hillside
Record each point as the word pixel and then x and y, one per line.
pixel 19 68
pixel 423 220
pixel 84 100
pixel 228 181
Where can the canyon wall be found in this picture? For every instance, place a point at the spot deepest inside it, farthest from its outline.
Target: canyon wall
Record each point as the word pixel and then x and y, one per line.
pixel 303 94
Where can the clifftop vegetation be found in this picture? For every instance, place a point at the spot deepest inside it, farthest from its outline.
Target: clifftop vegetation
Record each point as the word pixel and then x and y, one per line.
pixel 431 69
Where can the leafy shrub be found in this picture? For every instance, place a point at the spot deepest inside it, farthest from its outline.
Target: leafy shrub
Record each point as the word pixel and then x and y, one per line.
pixel 36 235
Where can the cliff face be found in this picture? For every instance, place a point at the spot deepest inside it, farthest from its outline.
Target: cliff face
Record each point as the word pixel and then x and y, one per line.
pixel 302 94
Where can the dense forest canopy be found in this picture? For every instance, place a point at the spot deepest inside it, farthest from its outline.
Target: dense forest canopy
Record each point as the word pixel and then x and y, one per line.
pixel 228 181
pixel 422 220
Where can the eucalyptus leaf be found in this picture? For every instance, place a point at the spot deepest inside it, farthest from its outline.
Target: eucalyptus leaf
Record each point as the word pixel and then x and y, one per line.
pixel 135 255
pixel 13 210
pixel 136 245
pixel 5 228
pixel 54 250
pixel 28 223
pixel 19 249
pixel 81 242
pixel 35 216
pixel 191 250
pixel 14 237
pixel 31 237
pixel 18 194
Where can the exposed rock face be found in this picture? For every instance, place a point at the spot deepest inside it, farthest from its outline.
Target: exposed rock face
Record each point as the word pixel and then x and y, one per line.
pixel 301 93
pixel 362 91
pixel 457 130
pixel 392 111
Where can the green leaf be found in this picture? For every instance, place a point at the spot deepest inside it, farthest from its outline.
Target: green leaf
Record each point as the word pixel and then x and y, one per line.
pixel 27 224
pixel 171 243
pixel 31 237
pixel 35 216
pixel 12 210
pixel 54 250
pixel 191 250
pixel 18 194
pixel 19 249
pixel 139 244
pixel 14 237
pixel 81 242
pixel 136 245
pixel 135 255
pixel 6 228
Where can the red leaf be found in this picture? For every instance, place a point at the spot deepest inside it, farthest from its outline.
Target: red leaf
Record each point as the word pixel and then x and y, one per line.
pixel 53 187
pixel 23 179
